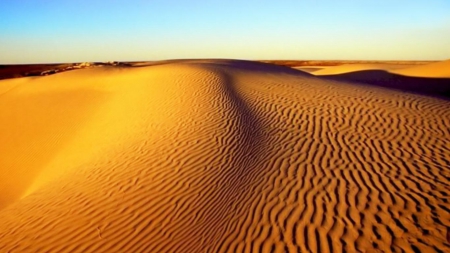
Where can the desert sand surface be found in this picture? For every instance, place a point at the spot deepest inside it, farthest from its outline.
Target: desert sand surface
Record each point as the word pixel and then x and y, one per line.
pixel 220 156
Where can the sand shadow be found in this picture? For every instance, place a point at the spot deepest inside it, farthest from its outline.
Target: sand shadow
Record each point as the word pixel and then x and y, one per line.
pixel 439 87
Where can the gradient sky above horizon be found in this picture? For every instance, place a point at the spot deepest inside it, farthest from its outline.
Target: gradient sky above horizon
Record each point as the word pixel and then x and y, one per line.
pixel 100 30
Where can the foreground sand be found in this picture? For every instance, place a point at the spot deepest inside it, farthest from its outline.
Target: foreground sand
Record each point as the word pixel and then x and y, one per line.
pixel 220 156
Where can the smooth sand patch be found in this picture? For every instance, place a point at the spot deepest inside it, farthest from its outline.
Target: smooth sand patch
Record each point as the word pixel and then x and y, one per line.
pixel 38 119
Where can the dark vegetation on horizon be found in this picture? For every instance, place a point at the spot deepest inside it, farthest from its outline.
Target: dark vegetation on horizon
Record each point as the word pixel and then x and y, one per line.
pixel 24 70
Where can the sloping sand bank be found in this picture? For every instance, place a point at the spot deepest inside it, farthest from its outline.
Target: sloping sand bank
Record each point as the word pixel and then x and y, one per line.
pixel 220 156
pixel 433 70
pixel 349 68
pixel 431 79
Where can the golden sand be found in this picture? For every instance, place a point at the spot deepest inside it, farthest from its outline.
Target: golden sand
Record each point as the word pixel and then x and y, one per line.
pixel 220 156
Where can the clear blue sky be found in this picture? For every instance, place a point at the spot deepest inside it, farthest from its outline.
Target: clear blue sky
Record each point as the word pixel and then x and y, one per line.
pixel 99 30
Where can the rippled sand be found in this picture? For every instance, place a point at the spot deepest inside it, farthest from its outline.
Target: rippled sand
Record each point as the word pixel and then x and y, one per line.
pixel 220 156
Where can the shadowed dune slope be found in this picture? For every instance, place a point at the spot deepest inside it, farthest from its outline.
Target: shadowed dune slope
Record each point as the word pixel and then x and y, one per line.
pixel 220 156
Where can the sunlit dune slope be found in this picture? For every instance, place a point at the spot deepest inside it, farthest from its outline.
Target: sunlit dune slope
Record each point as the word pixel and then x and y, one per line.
pixel 431 79
pixel 219 156
pixel 346 68
pixel 433 70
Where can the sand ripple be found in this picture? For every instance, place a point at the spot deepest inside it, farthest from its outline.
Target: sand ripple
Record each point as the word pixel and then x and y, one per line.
pixel 221 156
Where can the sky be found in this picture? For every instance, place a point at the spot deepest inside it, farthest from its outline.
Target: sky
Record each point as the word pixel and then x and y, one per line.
pixel 98 30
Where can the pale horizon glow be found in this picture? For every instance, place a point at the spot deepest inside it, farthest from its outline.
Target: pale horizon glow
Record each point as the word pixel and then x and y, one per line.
pixel 99 30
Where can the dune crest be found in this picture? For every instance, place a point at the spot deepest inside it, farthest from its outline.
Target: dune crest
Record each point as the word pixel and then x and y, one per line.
pixel 220 156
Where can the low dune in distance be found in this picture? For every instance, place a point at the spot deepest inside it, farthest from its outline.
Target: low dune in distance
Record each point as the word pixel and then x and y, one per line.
pixel 431 79
pixel 331 63
pixel 434 70
pixel 220 156
pixel 347 68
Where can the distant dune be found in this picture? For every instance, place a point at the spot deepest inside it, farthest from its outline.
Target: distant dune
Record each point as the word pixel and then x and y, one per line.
pixel 329 63
pixel 432 79
pixel 433 70
pixel 220 156
pixel 347 68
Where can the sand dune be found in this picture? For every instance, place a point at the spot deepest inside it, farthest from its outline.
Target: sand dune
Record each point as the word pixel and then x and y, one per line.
pixel 220 156
pixel 433 70
pixel 347 68
pixel 432 79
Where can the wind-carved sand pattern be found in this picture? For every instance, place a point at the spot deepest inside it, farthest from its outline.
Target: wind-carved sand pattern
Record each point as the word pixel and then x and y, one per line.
pixel 221 156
